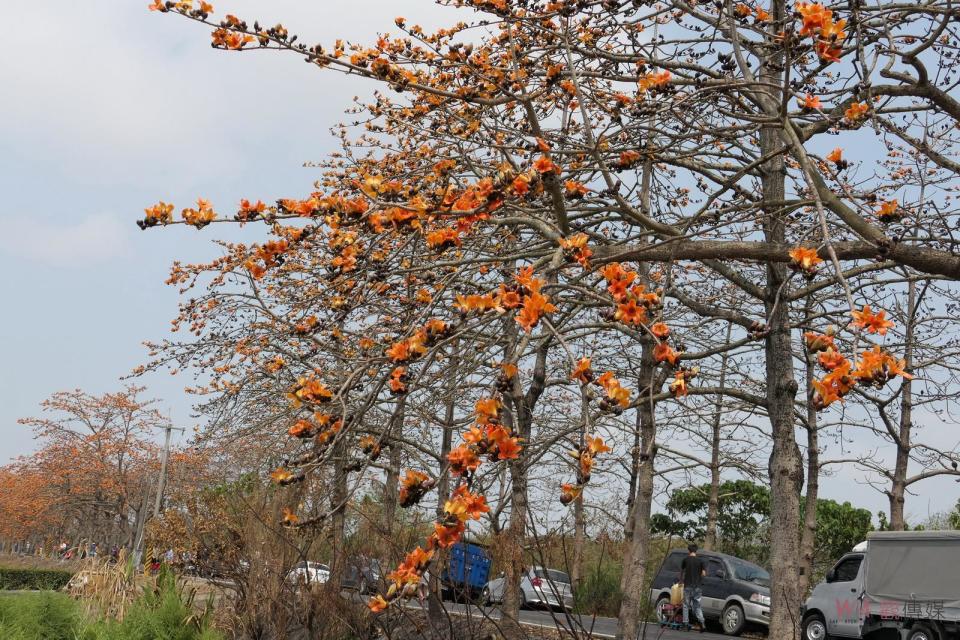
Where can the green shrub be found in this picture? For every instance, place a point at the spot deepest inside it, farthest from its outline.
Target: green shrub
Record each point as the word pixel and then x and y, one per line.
pixel 33 579
pixel 163 612
pixel 39 616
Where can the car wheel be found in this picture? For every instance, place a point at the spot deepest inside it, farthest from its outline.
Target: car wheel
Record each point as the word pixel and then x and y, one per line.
pixel 921 632
pixel 485 597
pixel 732 619
pixel 814 628
pixel 523 599
pixel 661 601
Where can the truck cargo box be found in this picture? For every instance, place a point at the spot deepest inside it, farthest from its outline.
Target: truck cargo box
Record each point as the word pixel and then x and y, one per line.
pixel 916 573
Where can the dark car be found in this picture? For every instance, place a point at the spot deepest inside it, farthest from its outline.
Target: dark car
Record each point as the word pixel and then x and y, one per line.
pixel 735 591
pixel 362 574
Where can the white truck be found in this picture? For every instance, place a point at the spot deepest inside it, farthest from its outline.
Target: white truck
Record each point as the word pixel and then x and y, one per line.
pixel 898 584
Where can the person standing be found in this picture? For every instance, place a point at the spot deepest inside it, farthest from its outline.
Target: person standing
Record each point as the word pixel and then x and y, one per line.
pixel 692 571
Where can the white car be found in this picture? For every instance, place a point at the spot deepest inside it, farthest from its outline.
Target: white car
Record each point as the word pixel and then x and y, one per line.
pixel 539 586
pixel 306 572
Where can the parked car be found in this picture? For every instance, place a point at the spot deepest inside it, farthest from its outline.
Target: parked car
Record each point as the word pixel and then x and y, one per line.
pixel 901 583
pixel 311 573
pixel 735 592
pixel 467 573
pixel 362 574
pixel 539 586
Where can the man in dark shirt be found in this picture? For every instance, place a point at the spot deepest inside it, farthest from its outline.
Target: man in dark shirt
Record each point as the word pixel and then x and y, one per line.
pixel 692 571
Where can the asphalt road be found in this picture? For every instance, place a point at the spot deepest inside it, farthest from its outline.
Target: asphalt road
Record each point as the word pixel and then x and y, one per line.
pixel 586 626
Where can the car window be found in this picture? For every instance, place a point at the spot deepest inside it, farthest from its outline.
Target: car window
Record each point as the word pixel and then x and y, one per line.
pixel 715 569
pixel 848 569
pixel 552 576
pixel 671 565
pixel 749 572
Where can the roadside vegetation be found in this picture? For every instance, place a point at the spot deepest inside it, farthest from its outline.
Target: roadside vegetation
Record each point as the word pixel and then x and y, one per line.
pixel 162 611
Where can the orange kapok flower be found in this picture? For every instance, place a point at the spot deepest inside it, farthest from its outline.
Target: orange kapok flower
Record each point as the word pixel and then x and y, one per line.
pixel 831 359
pixel 543 164
pixel 508 449
pixel 463 460
pixel 582 371
pixel 811 101
pixel 872 322
pixel 820 341
pixel 856 111
pixel 596 446
pixel 575 190
pixel 835 156
pixel 889 211
pixel 805 259
pixel 660 330
pixel 823 395
pixel 301 429
pixel 376 604
pixel 630 312
pixel 446 536
pixel 486 409
pixel 665 353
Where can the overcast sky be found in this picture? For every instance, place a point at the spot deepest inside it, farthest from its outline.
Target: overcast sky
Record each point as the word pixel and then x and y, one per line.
pixel 108 108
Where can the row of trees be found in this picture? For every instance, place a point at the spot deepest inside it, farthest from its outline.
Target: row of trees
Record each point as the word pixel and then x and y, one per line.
pixel 93 475
pixel 567 227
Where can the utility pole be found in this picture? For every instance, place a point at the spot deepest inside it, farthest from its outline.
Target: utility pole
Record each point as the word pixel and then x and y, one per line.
pixel 163 468
pixel 161 481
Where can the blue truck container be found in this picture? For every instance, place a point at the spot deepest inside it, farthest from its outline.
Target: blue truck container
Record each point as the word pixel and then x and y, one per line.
pixel 468 570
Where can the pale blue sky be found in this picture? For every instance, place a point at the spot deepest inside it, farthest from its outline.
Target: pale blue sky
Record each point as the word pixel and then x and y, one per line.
pixel 109 108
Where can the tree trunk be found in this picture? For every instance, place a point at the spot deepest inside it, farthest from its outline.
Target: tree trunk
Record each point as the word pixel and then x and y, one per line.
pixel 514 536
pixel 579 517
pixel 809 534
pixel 632 490
pixel 435 610
pixel 634 581
pixel 786 464
pixel 898 488
pixel 713 501
pixel 391 484
pixel 338 505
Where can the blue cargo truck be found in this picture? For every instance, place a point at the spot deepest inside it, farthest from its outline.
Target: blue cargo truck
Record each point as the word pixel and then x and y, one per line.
pixel 468 570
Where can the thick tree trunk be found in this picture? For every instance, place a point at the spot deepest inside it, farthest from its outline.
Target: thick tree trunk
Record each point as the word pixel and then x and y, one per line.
pixel 786 464
pixel 898 488
pixel 518 417
pixel 634 581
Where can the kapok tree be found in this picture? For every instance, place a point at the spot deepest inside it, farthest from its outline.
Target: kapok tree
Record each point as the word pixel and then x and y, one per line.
pixel 582 143
pixel 97 458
